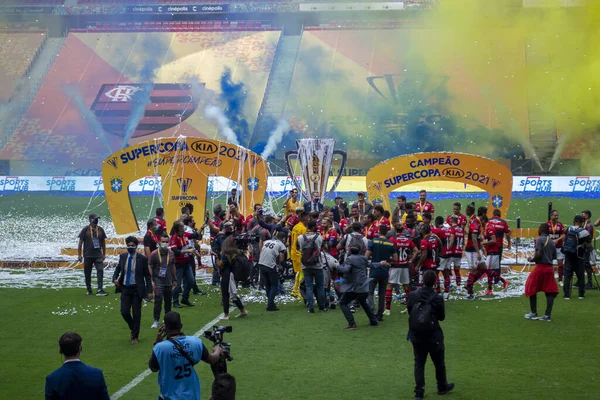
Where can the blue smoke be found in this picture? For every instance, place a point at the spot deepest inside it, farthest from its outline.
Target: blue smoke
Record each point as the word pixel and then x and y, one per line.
pixel 234 95
pixel 151 50
pixel 87 115
pixel 140 101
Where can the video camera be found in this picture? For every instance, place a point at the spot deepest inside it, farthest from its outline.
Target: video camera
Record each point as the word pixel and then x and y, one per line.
pixel 216 336
pixel 243 240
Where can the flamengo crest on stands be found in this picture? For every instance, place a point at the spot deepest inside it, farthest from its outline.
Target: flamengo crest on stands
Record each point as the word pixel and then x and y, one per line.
pixel 165 106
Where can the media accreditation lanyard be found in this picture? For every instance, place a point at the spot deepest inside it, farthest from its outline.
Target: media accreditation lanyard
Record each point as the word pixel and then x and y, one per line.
pixel 163 269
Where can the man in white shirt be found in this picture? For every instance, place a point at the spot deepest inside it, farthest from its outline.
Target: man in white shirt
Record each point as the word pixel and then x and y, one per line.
pixel 273 253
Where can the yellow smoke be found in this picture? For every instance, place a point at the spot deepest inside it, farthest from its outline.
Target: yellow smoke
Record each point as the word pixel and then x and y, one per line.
pixel 549 55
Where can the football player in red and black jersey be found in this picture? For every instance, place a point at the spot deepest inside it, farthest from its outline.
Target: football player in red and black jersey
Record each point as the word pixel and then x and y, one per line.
pixel 443 232
pixel 470 211
pixel 492 247
pixel 430 251
pixel 152 238
pixel 423 205
pixel 557 234
pixel 411 229
pixel 378 212
pixel 457 243
pixel 473 250
pixel 330 236
pixel 371 230
pixel 502 231
pixel 427 217
pixel 462 219
pixel 400 272
pixel 160 221
pixel 346 223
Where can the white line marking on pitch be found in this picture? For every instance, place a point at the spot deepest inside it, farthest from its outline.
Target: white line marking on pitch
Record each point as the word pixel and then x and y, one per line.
pixel 136 381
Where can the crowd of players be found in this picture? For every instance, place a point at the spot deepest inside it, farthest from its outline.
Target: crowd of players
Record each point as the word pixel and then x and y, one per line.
pixel 342 255
pixel 315 241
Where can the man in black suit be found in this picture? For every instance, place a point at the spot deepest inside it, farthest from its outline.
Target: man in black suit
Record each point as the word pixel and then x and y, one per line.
pixel 314 204
pixel 133 277
pixel 74 380
pixel 426 309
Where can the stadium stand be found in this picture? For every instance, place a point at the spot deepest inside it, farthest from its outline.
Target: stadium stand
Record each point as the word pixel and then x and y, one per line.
pixel 148 2
pixel 19 51
pixel 32 2
pixel 179 26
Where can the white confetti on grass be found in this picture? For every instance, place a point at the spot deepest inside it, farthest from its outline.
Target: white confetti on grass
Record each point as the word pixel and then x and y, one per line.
pixel 67 278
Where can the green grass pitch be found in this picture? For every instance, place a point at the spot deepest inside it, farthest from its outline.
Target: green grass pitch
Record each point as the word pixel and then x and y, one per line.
pixel 492 352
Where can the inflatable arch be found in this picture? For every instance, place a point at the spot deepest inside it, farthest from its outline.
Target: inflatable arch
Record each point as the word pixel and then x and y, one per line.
pixel 184 165
pixel 489 175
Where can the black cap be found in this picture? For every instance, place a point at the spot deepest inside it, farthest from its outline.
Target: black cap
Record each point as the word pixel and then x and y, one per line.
pixel 92 216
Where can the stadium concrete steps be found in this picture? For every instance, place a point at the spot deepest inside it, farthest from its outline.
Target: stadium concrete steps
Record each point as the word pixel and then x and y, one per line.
pixel 278 85
pixel 25 94
pixel 542 114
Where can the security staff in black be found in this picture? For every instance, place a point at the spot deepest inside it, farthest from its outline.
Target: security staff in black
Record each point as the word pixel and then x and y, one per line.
pixel 380 249
pixel 426 309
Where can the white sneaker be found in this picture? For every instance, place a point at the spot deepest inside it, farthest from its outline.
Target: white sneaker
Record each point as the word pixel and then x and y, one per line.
pixel 242 315
pixel 561 284
pixel 446 295
pixel 155 325
pixel 387 313
pixel 225 318
pixel 531 316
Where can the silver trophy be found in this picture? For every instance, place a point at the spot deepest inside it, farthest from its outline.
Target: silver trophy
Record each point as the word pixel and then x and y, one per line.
pixel 315 156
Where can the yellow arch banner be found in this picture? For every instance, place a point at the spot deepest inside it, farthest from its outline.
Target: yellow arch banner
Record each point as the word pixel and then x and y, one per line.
pixel 184 165
pixel 482 172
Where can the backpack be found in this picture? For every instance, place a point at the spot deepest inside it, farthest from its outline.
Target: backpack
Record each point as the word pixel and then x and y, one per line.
pixel 311 254
pixel 571 243
pixel 242 268
pixel 421 318
pixel 356 240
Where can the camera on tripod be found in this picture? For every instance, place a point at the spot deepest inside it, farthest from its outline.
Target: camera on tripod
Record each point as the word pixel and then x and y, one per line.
pixel 216 336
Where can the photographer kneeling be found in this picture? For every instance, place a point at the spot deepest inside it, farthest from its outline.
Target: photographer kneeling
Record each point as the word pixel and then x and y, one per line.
pixel 227 264
pixel 174 360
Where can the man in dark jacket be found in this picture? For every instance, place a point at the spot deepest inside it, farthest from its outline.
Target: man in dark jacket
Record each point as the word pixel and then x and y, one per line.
pixel 75 380
pixel 355 286
pixel 428 341
pixel 133 277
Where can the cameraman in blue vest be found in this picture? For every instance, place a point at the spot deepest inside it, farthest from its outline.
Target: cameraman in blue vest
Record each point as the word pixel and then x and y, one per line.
pixel 174 360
